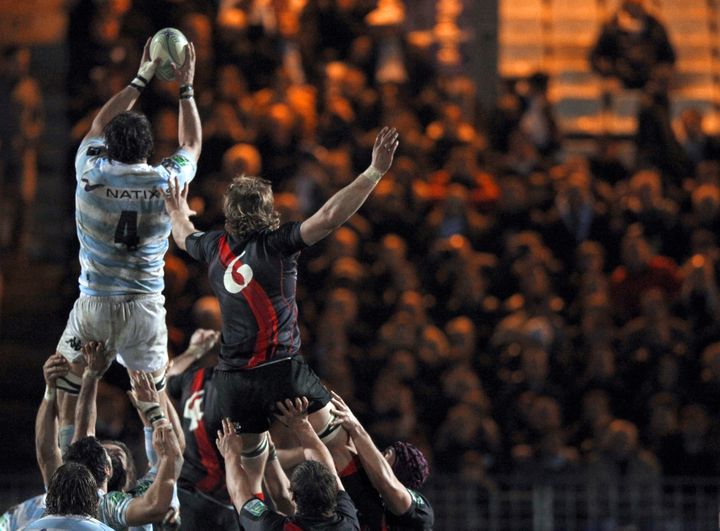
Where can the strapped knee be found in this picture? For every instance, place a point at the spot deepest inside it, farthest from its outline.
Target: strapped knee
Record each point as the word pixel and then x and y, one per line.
pixel 257 450
pixel 159 382
pixel 70 383
pixel 330 431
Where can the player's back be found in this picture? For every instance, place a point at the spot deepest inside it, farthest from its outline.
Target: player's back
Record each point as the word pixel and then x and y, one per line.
pixel 121 221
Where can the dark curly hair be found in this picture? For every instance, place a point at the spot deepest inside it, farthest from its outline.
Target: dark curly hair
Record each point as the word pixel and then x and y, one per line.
pixel 249 206
pixel 123 477
pixel 72 490
pixel 90 453
pixel 128 137
pixel 314 489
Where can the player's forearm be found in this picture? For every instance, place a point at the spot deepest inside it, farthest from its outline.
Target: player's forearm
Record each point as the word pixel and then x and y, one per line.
pixel 86 408
pixel 238 484
pixel 341 206
pixel 278 486
pixel 120 102
pixel 174 419
pixel 312 445
pixel 152 506
pixel 183 362
pixel 46 436
pixel 182 227
pixel 380 472
pixel 190 127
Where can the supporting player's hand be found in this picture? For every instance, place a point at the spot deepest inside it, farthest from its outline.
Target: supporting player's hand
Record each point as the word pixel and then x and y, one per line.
pixel 202 341
pixel 293 412
pixel 166 444
pixel 185 73
pixel 96 360
pixel 55 367
pixel 143 388
pixel 228 441
pixel 343 415
pixel 384 149
pixel 176 200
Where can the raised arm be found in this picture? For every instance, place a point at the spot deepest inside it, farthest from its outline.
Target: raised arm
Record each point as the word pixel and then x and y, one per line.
pixel 154 504
pixel 230 445
pixel 189 126
pixel 294 414
pixel 179 211
pixel 126 98
pixel 47 450
pixel 96 363
pixel 396 496
pixel 277 482
pixel 201 342
pixel 341 206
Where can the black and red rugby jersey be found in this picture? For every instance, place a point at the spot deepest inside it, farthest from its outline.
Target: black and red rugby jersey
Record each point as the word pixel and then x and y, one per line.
pixel 203 466
pixel 254 280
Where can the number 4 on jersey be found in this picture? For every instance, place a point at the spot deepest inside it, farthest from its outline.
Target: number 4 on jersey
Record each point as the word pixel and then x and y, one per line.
pixel 126 230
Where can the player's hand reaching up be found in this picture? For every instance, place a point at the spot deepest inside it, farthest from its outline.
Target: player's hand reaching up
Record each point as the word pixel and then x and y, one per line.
pixel 293 412
pixel 202 341
pixel 228 441
pixel 343 415
pixel 147 68
pixel 176 200
pixel 55 367
pixel 384 149
pixel 96 359
pixel 185 73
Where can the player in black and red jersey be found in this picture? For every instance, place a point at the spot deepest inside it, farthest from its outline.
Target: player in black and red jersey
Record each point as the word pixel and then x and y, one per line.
pixel 252 266
pixel 383 485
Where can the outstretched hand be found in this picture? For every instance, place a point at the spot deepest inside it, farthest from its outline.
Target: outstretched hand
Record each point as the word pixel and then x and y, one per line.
pixel 343 415
pixel 185 73
pixel 176 199
pixel 55 367
pixel 386 143
pixel 202 341
pixel 97 361
pixel 228 441
pixel 143 388
pixel 293 412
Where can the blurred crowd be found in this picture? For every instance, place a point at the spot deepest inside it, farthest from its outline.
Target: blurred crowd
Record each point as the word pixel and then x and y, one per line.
pixel 509 308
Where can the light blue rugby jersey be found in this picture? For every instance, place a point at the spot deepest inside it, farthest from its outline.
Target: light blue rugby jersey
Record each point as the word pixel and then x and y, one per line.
pixel 121 220
pixel 68 522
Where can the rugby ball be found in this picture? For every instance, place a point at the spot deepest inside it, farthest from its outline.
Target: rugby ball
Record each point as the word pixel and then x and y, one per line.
pixel 169 45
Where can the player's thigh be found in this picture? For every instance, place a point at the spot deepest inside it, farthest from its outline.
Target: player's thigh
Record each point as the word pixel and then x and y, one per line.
pixel 141 341
pixel 87 321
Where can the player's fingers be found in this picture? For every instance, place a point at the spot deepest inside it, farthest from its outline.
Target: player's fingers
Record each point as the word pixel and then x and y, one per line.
pixel 305 403
pixel 283 409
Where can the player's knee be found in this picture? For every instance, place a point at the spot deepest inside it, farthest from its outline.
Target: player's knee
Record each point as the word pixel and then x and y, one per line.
pixel 254 445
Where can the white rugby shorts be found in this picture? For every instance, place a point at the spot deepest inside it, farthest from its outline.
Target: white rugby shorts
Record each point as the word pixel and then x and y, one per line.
pixel 131 326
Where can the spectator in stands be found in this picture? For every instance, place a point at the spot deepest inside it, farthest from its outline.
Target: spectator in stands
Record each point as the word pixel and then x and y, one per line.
pixel 537 120
pixel 71 502
pixel 698 145
pixel 633 47
pixel 641 270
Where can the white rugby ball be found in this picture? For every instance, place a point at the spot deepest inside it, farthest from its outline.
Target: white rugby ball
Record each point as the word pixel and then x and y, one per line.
pixel 168 45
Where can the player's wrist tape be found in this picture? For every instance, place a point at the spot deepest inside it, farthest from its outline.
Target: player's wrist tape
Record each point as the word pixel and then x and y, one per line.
pixel 49 393
pixel 91 373
pixel 139 83
pixel 272 453
pixel 186 92
pixel 373 174
pixel 70 383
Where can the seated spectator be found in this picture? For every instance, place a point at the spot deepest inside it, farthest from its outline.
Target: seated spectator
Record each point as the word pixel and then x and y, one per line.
pixel 692 450
pixel 641 270
pixel 697 144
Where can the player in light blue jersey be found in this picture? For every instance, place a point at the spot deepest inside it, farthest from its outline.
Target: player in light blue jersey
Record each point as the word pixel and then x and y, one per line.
pixel 123 230
pixel 71 501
